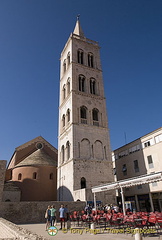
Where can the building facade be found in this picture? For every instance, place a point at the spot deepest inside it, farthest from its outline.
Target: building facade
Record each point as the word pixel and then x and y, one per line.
pixel 84 156
pixel 140 157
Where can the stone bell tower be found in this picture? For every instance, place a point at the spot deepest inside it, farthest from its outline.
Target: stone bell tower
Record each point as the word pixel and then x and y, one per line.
pixel 83 148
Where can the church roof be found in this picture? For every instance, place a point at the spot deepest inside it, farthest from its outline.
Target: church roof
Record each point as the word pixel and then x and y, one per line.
pixel 78 30
pixel 26 149
pixel 39 157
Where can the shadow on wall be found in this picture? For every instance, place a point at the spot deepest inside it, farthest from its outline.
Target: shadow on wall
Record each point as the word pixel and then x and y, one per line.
pixel 64 194
pixel 33 190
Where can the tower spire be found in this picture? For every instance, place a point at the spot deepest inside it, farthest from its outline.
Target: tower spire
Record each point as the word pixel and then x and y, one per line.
pixel 78 30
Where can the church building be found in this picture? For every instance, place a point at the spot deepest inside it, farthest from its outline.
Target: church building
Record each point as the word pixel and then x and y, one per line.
pixel 84 155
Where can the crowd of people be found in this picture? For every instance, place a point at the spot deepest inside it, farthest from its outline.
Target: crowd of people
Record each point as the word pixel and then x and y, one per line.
pixel 50 216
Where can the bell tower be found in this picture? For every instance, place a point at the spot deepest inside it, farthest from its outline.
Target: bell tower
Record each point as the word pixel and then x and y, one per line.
pixel 83 142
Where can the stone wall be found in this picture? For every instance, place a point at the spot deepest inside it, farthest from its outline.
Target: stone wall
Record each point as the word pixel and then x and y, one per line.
pixel 33 212
pixel 2 176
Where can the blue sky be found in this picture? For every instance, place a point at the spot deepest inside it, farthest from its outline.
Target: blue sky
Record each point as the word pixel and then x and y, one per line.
pixel 32 36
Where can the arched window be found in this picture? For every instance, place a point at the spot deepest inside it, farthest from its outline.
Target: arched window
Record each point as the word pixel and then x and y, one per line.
pixel 80 56
pixel 19 176
pixel 63 154
pixel 81 83
pixel 34 175
pixel 64 92
pixel 64 65
pixel 68 58
pixel 51 176
pixel 68 86
pixel 68 149
pixel 83 115
pixel 68 115
pixel 63 120
pixel 92 86
pixel 95 117
pixel 90 60
pixel 83 182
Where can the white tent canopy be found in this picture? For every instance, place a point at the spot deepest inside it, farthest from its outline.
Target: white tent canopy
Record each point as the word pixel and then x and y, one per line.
pixel 129 182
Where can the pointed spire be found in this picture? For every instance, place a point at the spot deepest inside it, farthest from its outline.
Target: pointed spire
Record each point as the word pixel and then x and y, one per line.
pixel 78 30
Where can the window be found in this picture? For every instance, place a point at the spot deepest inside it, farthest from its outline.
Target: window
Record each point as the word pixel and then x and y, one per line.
pixel 34 175
pixel 68 115
pixel 51 176
pixel 90 60
pixel 150 161
pixel 139 186
pixel 92 86
pixel 64 92
pixel 63 120
pixel 83 182
pixel 134 149
pixel 68 150
pixel 95 117
pixel 63 154
pixel 114 171
pixel 147 144
pixel 19 176
pixel 158 138
pixel 80 56
pixel 64 65
pixel 68 85
pixel 68 58
pixel 83 115
pixel 81 83
pixel 124 169
pixel 136 167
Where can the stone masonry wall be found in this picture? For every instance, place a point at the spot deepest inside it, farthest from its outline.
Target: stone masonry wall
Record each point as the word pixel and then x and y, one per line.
pixel 33 212
pixel 2 176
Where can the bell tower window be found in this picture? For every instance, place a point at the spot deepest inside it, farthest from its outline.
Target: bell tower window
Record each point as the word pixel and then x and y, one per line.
pixel 68 150
pixel 68 86
pixel 64 65
pixel 64 92
pixel 80 56
pixel 90 60
pixel 83 182
pixel 81 83
pixel 63 120
pixel 68 58
pixel 83 115
pixel 68 115
pixel 92 86
pixel 63 154
pixel 95 117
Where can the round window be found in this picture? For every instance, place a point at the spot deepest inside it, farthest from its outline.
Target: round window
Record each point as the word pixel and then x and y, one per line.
pixel 39 145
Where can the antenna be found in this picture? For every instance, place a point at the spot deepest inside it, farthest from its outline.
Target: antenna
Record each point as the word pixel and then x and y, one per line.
pixel 125 137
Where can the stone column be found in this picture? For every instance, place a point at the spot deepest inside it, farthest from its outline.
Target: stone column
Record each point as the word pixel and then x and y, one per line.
pixel 137 203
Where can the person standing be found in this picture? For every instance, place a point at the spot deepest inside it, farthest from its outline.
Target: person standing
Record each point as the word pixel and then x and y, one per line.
pixel 48 217
pixel 62 212
pixel 53 215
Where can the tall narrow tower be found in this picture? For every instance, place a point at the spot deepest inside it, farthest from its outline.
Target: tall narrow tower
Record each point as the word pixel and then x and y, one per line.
pixel 84 148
